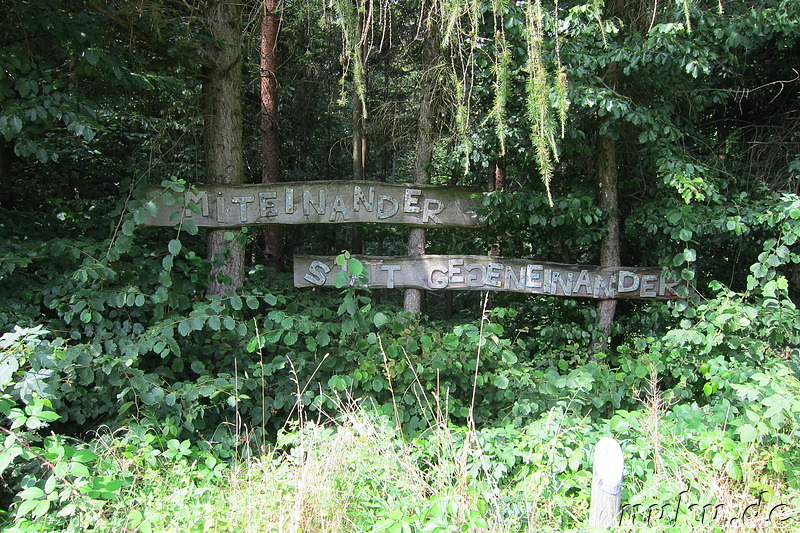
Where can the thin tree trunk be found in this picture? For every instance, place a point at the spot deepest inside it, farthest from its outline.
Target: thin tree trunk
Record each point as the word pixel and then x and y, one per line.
pixel 497 181
pixel 270 133
pixel 424 149
pixel 359 133
pixel 359 120
pixel 610 245
pixel 222 133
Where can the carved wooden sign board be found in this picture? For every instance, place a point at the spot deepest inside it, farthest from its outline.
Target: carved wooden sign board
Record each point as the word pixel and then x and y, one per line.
pixel 320 202
pixel 471 272
pixel 337 202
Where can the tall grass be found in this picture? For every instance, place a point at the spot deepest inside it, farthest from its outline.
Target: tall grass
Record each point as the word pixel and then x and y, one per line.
pixel 357 473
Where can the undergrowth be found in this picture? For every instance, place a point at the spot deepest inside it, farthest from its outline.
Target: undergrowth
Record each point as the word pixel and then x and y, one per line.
pixel 358 472
pixel 281 411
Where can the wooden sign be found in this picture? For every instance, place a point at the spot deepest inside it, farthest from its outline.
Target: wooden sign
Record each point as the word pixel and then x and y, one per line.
pixel 472 272
pixel 320 202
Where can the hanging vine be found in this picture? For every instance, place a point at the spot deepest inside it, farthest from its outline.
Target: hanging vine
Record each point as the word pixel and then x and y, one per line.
pixel 458 26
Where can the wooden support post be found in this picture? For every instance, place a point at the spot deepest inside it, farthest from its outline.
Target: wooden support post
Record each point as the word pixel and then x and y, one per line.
pixel 606 483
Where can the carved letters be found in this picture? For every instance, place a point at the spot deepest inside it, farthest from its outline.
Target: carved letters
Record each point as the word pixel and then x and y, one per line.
pixel 469 272
pixel 321 202
pixel 331 202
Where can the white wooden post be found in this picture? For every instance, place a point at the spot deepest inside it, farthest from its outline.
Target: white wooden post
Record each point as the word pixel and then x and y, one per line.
pixel 606 483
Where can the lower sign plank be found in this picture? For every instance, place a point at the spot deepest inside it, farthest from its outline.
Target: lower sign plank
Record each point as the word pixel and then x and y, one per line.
pixel 472 272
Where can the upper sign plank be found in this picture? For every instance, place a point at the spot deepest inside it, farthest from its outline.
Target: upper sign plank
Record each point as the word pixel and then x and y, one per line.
pixel 320 202
pixel 471 272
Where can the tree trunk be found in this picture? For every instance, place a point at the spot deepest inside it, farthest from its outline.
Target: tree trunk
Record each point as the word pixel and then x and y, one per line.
pixel 610 245
pixel 497 181
pixel 424 148
pixel 359 121
pixel 359 132
pixel 270 134
pixel 222 133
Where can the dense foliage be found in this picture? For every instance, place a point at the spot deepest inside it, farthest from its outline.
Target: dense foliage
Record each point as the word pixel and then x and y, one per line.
pixel 120 376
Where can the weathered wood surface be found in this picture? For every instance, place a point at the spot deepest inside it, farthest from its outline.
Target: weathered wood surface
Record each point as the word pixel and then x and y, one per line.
pixel 607 475
pixel 318 202
pixel 471 272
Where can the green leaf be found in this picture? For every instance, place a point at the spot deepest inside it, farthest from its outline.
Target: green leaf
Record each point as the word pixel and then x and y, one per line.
pixel 311 344
pixel 50 484
pixel 759 270
pixel 674 216
pixel 322 337
pixel 190 226
pixel 151 207
pixel 48 416
pixel 84 456
pixel 31 493
pixel 15 124
pixel 380 319
pixel 174 246
pixel 79 469
pixel 184 328
pixel 236 302
pixel 355 266
pixel 5 460
pixel 127 227
pixel 450 342
pixel 252 302
pixel 8 365
pixel 340 279
pixel 91 56
pixel 26 507
pixel 748 433
pixel 509 357
pixel 769 288
pixel 501 381
pixel 253 345
pixel 124 407
pixel 427 342
pixel 165 280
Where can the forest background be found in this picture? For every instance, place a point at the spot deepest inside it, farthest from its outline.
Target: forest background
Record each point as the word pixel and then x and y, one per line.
pixel 175 380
